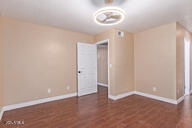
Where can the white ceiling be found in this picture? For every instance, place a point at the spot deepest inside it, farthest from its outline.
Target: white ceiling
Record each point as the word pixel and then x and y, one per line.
pixel 77 15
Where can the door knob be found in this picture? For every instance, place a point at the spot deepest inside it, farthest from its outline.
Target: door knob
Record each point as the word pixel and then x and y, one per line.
pixel 79 71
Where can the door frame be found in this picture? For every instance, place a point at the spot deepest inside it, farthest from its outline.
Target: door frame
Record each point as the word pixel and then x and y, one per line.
pixel 187 51
pixel 108 61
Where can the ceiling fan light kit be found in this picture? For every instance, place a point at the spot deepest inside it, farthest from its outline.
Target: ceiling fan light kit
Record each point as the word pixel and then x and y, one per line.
pixel 109 16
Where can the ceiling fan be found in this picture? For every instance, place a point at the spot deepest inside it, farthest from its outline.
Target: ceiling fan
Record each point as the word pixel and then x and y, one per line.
pixel 109 15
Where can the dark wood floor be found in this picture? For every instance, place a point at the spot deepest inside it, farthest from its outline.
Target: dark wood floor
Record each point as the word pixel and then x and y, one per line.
pixel 96 111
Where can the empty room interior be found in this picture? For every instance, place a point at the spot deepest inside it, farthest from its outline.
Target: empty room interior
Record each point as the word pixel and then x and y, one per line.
pixel 95 64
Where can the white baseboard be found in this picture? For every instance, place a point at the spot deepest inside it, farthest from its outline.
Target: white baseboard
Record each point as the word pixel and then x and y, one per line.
pixel 180 99
pixel 121 96
pixel 30 103
pixel 156 97
pixel 85 92
pixel 104 85
pixel 148 96
pixel 1 113
pixel 40 101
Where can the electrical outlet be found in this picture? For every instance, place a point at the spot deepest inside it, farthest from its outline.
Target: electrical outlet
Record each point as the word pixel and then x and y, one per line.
pixel 49 90
pixel 68 87
pixel 110 65
pixel 154 89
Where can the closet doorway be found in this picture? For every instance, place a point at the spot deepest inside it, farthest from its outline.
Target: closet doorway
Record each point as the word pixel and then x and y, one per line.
pixel 103 64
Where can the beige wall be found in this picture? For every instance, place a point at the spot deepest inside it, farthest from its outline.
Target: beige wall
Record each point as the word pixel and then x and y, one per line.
pixel 121 56
pixel 36 58
pixel 102 64
pixel 155 61
pixel 181 34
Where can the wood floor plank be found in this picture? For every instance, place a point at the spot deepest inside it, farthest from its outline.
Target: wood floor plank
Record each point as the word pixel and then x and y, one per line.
pixel 97 111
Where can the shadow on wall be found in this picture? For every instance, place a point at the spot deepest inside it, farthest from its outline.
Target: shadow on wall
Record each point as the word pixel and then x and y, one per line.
pixel 102 63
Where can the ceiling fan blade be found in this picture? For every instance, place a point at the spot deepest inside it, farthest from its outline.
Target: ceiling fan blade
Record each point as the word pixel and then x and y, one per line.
pixel 106 19
pixel 108 14
pixel 115 16
pixel 111 17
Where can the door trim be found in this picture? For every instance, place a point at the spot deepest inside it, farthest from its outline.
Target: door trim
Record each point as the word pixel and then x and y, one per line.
pixel 187 59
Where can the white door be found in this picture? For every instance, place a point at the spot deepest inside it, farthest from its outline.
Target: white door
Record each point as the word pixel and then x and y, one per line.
pixel 87 68
pixel 187 67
